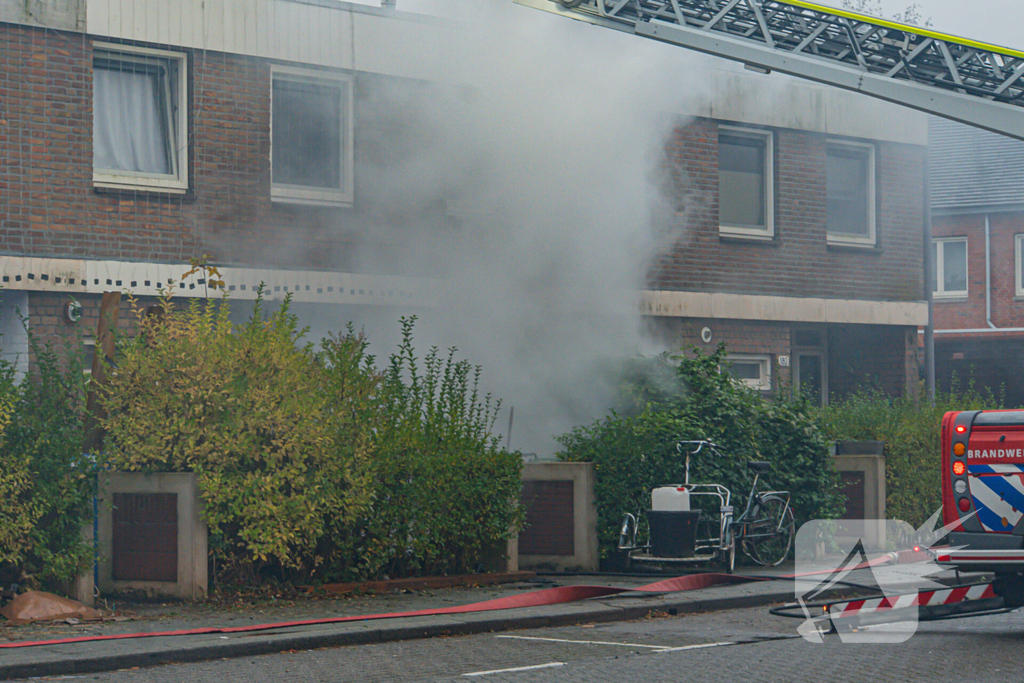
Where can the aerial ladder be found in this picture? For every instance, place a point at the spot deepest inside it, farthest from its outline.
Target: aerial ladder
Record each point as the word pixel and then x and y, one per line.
pixel 968 81
pixel 964 80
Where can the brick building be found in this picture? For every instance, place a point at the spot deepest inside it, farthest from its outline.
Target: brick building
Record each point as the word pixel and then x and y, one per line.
pixel 811 272
pixel 978 246
pixel 135 137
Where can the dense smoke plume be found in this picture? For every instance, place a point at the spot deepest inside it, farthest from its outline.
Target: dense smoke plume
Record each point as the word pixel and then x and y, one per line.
pixel 543 154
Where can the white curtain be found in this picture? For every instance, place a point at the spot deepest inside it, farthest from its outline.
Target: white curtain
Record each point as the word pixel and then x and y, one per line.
pixel 128 129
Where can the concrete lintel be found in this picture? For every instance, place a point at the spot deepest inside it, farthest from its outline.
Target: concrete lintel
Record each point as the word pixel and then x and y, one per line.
pixel 65 15
pixel 782 309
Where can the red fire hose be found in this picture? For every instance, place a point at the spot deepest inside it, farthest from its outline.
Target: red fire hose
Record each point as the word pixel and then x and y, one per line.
pixel 549 596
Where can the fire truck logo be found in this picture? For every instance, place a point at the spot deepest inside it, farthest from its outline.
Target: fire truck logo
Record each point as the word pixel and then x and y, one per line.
pixel 857 555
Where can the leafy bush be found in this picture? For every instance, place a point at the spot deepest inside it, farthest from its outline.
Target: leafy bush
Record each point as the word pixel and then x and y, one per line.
pixel 45 481
pixel 911 429
pixel 279 458
pixel 446 493
pixel 634 453
pixel 313 463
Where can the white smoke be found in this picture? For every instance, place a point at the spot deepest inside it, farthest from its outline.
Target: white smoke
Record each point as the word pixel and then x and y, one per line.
pixel 548 153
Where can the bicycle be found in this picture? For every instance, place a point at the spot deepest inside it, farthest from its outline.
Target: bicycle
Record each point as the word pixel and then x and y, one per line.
pixel 764 530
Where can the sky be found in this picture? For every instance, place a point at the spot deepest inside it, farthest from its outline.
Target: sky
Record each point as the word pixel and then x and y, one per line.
pixel 995 21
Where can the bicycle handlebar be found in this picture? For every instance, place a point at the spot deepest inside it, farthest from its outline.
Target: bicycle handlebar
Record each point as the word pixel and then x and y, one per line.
pixel 699 444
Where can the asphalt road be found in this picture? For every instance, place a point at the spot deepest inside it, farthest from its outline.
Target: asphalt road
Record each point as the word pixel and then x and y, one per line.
pixel 742 645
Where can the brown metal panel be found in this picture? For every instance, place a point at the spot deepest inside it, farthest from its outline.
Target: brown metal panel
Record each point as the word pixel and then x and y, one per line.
pixel 145 537
pixel 549 519
pixel 852 484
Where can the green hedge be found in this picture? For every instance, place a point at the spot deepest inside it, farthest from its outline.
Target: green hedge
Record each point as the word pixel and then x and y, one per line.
pixel 636 451
pixel 911 429
pixel 46 483
pixel 313 463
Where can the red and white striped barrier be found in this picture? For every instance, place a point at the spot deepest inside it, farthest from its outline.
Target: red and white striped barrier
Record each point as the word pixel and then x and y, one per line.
pixel 948 596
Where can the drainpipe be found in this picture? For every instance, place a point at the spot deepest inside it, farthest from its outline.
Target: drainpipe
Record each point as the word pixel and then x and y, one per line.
pixel 988 274
pixel 929 331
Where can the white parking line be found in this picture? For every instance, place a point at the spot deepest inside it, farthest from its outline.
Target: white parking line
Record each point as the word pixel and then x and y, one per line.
pixel 586 642
pixel 518 668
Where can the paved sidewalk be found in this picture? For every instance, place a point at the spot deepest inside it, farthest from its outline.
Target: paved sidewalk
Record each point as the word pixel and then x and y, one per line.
pixel 77 658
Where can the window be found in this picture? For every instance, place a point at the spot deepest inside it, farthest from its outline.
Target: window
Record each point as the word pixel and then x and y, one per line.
pixel 949 267
pixel 88 355
pixel 1018 242
pixel 850 181
pixel 311 137
pixel 745 185
pixel 139 119
pixel 753 371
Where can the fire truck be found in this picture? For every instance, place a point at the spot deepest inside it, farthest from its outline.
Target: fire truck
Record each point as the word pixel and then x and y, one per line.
pixel 983 496
pixel 957 78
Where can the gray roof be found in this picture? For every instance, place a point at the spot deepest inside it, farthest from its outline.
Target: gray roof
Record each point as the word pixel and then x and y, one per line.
pixel 972 169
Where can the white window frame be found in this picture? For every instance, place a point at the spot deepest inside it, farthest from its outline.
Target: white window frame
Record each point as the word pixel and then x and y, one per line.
pixel 872 238
pixel 940 266
pixel 748 231
pixel 86 343
pixel 1018 255
pixel 177 182
pixel 765 361
pixel 296 194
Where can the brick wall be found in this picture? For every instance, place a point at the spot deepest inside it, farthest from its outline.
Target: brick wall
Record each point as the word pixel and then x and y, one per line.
pixel 969 313
pixel 859 357
pixel 48 205
pixel 798 261
pixel 48 323
pixel 868 357
pixel 739 336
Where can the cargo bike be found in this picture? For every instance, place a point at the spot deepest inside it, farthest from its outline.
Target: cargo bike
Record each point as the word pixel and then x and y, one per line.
pixel 694 523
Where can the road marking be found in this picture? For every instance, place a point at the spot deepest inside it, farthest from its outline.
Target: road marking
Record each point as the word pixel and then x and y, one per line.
pixel 698 647
pixel 550 665
pixel 586 642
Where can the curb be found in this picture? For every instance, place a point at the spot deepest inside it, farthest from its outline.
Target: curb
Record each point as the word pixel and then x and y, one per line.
pixel 488 622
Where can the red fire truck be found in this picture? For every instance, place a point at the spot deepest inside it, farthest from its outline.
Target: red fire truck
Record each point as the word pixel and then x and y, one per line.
pixel 983 495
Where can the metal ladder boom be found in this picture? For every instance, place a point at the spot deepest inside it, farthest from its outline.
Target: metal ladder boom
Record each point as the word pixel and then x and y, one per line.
pixel 964 80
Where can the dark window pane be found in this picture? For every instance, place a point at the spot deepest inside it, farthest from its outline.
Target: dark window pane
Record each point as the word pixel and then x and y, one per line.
pixel 745 370
pixel 847 177
pixel 954 260
pixel 810 377
pixel 307 134
pixel 741 181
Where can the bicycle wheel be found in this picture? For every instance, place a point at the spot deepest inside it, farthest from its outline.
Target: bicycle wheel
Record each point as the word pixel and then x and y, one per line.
pixel 770 533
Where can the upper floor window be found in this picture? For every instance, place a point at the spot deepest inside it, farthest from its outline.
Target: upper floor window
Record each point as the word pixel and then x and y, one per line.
pixel 311 137
pixel 850 181
pixel 949 267
pixel 745 183
pixel 139 119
